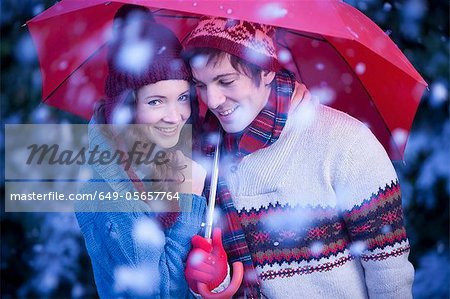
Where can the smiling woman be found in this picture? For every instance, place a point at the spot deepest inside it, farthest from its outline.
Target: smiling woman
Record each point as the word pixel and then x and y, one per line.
pixel 148 102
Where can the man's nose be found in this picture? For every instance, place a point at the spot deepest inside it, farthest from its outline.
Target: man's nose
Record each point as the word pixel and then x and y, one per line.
pixel 214 97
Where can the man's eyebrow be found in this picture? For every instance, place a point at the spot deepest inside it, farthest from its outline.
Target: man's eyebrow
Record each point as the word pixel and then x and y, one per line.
pixel 216 77
pixel 223 75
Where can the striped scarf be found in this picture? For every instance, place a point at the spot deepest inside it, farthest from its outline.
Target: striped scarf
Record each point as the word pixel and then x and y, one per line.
pixel 262 132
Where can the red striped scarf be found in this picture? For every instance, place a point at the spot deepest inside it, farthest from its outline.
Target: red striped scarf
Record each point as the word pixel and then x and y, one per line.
pixel 262 132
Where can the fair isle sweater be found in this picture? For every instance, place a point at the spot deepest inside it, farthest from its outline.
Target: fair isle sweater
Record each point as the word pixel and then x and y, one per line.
pixel 321 211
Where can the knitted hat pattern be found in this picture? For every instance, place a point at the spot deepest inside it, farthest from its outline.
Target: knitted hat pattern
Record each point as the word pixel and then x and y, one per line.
pixel 249 41
pixel 141 52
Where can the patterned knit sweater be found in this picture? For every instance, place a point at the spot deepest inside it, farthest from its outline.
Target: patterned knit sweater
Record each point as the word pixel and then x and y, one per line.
pixel 321 210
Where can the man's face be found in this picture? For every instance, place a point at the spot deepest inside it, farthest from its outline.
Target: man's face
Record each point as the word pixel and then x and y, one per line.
pixel 231 95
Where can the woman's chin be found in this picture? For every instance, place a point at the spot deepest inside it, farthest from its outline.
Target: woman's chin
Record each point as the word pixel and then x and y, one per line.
pixel 165 142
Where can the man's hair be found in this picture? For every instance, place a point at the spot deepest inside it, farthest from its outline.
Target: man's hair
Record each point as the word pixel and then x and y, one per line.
pixel 214 55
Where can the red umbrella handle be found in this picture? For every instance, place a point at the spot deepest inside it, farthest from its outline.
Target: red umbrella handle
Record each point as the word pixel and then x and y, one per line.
pixel 236 280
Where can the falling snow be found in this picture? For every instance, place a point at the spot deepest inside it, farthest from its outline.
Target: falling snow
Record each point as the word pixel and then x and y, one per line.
pixel 48 248
pixel 272 11
pixel 147 231
pixel 360 68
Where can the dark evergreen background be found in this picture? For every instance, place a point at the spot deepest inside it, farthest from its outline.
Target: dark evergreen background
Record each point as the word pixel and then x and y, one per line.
pixel 43 255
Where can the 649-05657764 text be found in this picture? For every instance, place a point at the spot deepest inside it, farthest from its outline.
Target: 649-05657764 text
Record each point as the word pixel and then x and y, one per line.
pixel 95 196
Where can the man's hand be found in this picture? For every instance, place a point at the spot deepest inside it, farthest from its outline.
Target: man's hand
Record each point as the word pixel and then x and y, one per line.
pixel 206 263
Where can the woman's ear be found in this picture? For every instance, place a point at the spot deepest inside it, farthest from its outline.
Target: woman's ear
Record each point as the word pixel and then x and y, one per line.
pixel 267 77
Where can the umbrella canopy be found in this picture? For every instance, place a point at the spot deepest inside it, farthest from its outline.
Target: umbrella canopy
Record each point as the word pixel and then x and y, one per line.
pixel 339 53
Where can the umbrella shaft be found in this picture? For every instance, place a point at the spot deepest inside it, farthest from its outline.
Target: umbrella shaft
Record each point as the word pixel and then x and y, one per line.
pixel 213 191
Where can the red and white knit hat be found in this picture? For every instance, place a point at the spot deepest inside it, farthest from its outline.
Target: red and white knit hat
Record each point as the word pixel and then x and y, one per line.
pixel 249 41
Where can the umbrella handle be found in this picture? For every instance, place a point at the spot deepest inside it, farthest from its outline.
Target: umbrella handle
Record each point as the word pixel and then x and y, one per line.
pixel 236 280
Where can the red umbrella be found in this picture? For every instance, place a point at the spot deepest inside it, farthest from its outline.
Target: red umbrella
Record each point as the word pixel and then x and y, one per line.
pixel 337 51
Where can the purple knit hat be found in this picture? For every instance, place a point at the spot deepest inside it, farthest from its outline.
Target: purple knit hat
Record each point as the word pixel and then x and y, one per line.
pixel 249 41
pixel 141 52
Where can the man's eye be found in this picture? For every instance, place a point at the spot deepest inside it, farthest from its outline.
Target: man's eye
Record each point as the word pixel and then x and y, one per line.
pixel 226 82
pixel 184 98
pixel 200 85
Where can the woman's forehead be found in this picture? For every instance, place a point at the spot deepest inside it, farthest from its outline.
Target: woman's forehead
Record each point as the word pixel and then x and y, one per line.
pixel 164 88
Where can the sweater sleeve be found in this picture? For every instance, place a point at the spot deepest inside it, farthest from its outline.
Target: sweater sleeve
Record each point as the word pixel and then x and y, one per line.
pixel 368 194
pixel 132 257
pixel 178 244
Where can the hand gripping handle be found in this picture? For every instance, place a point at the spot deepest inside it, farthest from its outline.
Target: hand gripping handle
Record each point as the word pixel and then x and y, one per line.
pixel 236 280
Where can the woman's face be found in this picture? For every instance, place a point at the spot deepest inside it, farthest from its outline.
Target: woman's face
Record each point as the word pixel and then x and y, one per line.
pixel 165 107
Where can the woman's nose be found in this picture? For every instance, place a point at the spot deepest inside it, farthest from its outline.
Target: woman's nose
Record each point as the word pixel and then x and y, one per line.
pixel 173 114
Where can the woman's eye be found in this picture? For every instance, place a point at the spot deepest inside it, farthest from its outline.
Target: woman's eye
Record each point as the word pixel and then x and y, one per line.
pixel 154 102
pixel 184 98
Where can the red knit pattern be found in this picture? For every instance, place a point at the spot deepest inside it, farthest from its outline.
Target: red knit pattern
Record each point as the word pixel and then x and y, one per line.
pixel 324 233
pixel 289 272
pixel 376 200
pixel 251 42
pixel 298 254
pixel 384 255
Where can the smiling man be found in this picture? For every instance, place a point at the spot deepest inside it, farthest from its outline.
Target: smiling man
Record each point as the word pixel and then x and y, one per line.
pixel 311 202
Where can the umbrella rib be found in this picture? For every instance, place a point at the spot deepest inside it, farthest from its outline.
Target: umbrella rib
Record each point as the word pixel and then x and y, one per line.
pixel 318 38
pixel 176 17
pixel 364 87
pixel 408 63
pixel 95 53
pixel 289 49
pixel 70 75
pixel 172 16
pixel 367 92
pixel 295 62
